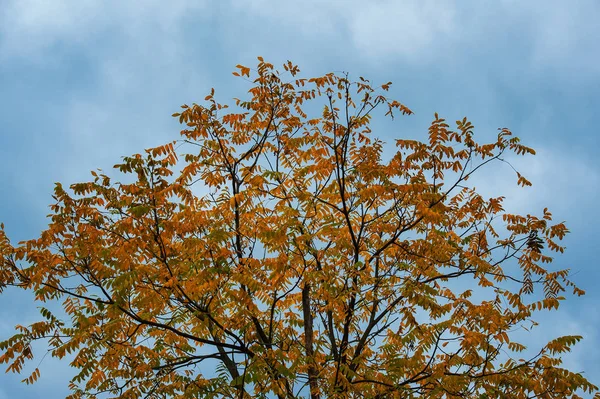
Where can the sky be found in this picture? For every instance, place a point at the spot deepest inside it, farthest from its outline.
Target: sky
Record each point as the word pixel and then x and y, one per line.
pixel 84 82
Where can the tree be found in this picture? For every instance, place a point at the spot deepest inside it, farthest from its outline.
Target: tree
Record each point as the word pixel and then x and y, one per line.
pixel 311 264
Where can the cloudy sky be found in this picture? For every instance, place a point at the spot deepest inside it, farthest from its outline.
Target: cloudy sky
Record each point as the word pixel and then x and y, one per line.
pixel 84 82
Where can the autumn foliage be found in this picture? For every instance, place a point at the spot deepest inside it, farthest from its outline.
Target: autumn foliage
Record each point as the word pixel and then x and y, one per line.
pixel 281 250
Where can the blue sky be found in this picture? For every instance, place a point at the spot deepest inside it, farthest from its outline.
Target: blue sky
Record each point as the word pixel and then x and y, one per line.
pixel 86 82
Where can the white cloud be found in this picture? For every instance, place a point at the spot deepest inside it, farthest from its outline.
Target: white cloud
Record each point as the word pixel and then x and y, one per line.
pixel 409 30
pixel 29 28
pixel 136 58
pixel 310 17
pixel 552 35
pixel 378 29
pixel 563 35
pixel 559 177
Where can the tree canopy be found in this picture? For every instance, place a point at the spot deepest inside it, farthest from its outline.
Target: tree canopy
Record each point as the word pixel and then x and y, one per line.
pixel 280 249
